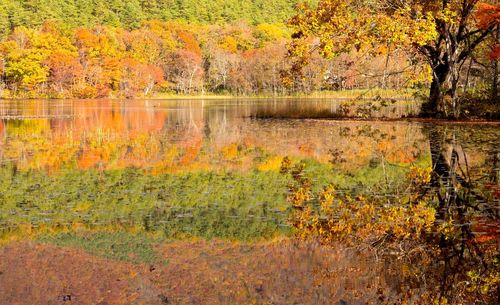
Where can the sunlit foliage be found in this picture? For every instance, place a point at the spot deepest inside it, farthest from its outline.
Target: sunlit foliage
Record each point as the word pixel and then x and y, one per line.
pixel 175 57
pixel 431 243
pixel 444 33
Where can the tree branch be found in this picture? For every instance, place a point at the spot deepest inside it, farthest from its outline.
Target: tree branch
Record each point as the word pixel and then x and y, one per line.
pixel 467 51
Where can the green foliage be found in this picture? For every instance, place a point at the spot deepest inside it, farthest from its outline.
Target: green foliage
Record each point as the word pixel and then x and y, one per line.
pixel 207 205
pixel 129 14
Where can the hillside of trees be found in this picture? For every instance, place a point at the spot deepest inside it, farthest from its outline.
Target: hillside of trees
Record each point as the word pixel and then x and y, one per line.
pixel 138 48
pixel 175 57
pixel 129 14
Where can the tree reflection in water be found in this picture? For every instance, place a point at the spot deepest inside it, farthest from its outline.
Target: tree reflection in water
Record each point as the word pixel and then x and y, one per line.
pixel 468 258
pixel 436 243
pixel 413 217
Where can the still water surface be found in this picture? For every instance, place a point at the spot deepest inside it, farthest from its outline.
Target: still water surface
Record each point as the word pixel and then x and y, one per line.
pixel 99 163
pixel 140 173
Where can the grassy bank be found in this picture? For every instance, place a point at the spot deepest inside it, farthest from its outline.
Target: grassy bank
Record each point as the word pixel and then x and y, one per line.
pixel 372 93
pixel 341 94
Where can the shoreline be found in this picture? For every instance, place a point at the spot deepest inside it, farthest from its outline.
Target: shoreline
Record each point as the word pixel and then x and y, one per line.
pixel 312 97
pixel 355 94
pixel 476 121
pixel 209 97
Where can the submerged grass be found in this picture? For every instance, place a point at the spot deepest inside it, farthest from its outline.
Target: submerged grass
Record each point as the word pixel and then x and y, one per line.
pixel 211 205
pixel 121 246
pixel 122 214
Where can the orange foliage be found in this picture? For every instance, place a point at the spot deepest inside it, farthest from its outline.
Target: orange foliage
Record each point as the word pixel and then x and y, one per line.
pixel 190 43
pixel 91 157
pixel 139 77
pixel 488 14
pixel 191 152
pixel 85 40
pixel 107 61
pixel 64 69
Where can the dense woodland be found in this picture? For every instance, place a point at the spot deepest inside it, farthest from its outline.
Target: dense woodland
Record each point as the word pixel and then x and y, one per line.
pixel 130 14
pixel 94 49
pixel 174 57
pixel 110 49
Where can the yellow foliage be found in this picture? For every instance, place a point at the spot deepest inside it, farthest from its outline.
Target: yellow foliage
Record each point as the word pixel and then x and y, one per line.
pixel 229 44
pixel 230 152
pixel 82 206
pixel 341 217
pixel 271 164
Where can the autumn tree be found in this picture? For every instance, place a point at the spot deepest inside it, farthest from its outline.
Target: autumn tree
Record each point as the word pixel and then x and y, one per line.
pixel 64 70
pixel 487 57
pixel 444 33
pixel 138 77
pixel 28 58
pixel 186 65
pixel 24 67
pixel 219 64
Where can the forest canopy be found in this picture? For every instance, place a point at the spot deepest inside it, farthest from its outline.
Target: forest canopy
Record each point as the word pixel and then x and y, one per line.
pixel 129 14
pixel 97 48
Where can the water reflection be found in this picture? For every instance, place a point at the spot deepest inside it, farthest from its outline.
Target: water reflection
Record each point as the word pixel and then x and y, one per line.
pixel 212 169
pixel 192 127
pixel 466 195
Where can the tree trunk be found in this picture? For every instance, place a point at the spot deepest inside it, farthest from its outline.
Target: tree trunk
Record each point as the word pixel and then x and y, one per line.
pixel 434 106
pixel 443 99
pixel 494 84
pixel 467 76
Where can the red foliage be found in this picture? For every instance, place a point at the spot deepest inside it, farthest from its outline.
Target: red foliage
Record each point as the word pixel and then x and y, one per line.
pixel 488 15
pixel 495 53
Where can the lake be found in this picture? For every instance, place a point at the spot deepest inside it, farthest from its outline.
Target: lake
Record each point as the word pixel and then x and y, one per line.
pixel 198 184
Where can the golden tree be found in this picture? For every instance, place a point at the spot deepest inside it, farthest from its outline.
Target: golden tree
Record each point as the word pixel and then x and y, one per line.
pixel 443 32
